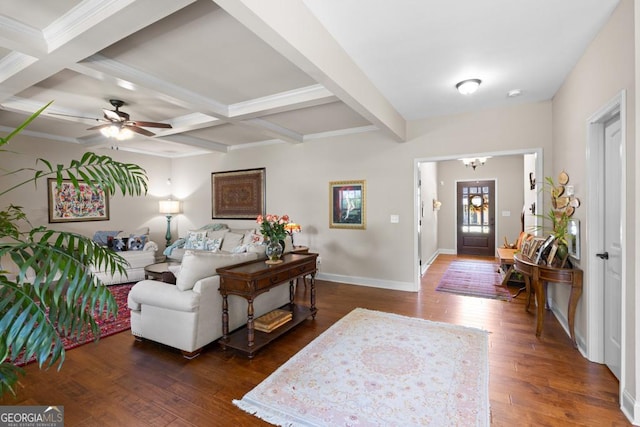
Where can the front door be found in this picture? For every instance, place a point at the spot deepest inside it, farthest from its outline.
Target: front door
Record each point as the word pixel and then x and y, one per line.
pixel 476 218
pixel 612 246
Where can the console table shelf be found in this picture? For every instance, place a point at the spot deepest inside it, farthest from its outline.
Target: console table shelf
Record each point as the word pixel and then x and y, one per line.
pixel 251 279
pixel 238 338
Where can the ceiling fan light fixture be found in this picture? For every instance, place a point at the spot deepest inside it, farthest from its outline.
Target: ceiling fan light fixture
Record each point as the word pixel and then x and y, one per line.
pixel 124 133
pixel 467 87
pixel 116 131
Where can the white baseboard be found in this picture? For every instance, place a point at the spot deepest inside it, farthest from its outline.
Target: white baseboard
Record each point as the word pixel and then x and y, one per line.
pixel 367 281
pixel 630 408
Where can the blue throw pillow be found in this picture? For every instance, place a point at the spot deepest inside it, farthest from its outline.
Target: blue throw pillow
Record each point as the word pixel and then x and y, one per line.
pixel 102 237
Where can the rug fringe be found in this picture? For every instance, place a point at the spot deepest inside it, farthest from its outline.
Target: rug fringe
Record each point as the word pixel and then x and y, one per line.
pixel 271 415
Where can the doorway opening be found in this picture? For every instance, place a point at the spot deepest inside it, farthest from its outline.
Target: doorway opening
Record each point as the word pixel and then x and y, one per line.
pixel 433 202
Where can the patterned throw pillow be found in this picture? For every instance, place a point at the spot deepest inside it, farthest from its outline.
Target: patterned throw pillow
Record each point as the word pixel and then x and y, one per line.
pixel 117 244
pixel 196 240
pixel 136 243
pixel 213 244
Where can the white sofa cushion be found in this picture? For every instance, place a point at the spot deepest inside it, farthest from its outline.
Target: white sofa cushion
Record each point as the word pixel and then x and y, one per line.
pixel 197 265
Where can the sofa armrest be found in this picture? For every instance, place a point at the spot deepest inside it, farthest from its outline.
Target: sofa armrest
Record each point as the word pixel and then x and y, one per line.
pixel 150 246
pixel 208 284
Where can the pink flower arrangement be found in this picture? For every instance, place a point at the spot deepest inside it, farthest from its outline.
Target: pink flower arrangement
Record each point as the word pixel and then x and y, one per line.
pixel 273 226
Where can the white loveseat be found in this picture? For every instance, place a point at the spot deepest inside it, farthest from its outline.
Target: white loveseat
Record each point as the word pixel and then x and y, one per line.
pixel 140 252
pixel 188 315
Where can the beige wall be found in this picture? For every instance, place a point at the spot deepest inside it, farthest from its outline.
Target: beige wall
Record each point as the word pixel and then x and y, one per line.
pixel 606 68
pixel 125 214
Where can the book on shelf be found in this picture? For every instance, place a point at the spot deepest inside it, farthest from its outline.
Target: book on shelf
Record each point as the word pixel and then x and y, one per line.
pixel 270 321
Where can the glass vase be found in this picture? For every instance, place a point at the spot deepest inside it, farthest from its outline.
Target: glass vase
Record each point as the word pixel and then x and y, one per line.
pixel 274 250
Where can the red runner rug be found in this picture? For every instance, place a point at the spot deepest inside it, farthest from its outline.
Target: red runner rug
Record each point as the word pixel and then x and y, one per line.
pixel 109 326
pixel 474 278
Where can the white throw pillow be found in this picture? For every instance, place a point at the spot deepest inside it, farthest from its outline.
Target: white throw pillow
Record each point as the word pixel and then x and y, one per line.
pixel 198 265
pixel 217 234
pixel 231 240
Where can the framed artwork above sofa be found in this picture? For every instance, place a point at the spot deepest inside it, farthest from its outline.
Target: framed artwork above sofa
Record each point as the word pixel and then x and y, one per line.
pixel 68 205
pixel 238 194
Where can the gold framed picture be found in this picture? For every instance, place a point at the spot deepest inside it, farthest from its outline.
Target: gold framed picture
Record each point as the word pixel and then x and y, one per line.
pixel 347 204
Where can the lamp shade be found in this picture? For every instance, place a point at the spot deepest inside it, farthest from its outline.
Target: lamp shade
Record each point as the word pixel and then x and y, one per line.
pixel 292 227
pixel 169 206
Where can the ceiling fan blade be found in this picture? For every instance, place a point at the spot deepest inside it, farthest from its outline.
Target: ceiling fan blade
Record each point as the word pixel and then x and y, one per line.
pixel 113 116
pixel 106 125
pixel 151 124
pixel 141 131
pixel 75 117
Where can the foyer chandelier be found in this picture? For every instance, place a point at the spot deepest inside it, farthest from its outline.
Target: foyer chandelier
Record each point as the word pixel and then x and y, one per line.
pixel 474 162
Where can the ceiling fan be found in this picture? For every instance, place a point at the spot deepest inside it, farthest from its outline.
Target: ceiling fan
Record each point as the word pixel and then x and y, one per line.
pixel 119 125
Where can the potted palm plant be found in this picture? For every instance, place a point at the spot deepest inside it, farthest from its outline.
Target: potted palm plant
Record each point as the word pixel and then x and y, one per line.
pixel 62 297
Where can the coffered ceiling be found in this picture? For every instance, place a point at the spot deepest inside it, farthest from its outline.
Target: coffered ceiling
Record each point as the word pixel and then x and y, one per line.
pixel 235 73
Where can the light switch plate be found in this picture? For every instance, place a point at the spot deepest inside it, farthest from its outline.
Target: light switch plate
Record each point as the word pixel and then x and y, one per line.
pixel 395 219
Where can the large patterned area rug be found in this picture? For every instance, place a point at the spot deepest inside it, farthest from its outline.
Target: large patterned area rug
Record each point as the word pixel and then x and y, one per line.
pixel 474 278
pixel 108 326
pixel 380 369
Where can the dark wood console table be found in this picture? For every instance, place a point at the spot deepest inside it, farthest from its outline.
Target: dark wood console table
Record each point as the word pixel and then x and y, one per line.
pixel 538 275
pixel 251 279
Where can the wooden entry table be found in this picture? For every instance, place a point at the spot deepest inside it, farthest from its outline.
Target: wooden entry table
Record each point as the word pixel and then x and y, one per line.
pixel 537 276
pixel 506 259
pixel 253 278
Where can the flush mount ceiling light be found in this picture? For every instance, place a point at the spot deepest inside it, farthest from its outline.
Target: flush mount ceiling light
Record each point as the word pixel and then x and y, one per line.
pixel 467 87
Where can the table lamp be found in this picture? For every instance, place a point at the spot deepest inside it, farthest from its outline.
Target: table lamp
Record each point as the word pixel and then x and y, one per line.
pixel 291 228
pixel 169 207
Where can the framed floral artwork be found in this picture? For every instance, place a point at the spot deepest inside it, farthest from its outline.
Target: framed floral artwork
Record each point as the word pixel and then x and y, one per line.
pixel 66 204
pixel 347 204
pixel 238 194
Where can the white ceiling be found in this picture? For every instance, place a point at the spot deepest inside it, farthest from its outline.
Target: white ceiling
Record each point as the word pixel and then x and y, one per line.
pixel 236 73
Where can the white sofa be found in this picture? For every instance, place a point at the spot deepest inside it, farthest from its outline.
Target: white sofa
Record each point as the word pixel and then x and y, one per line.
pixel 137 261
pixel 188 315
pixel 220 238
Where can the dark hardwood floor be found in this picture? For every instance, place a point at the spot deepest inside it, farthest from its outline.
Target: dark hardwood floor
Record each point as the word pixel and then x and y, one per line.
pixel 120 382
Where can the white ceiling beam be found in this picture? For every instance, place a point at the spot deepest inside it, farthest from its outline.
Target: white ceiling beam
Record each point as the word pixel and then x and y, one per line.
pixel 304 97
pixel 292 30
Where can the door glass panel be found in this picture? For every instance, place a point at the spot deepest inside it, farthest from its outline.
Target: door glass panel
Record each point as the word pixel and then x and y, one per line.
pixel 475 209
